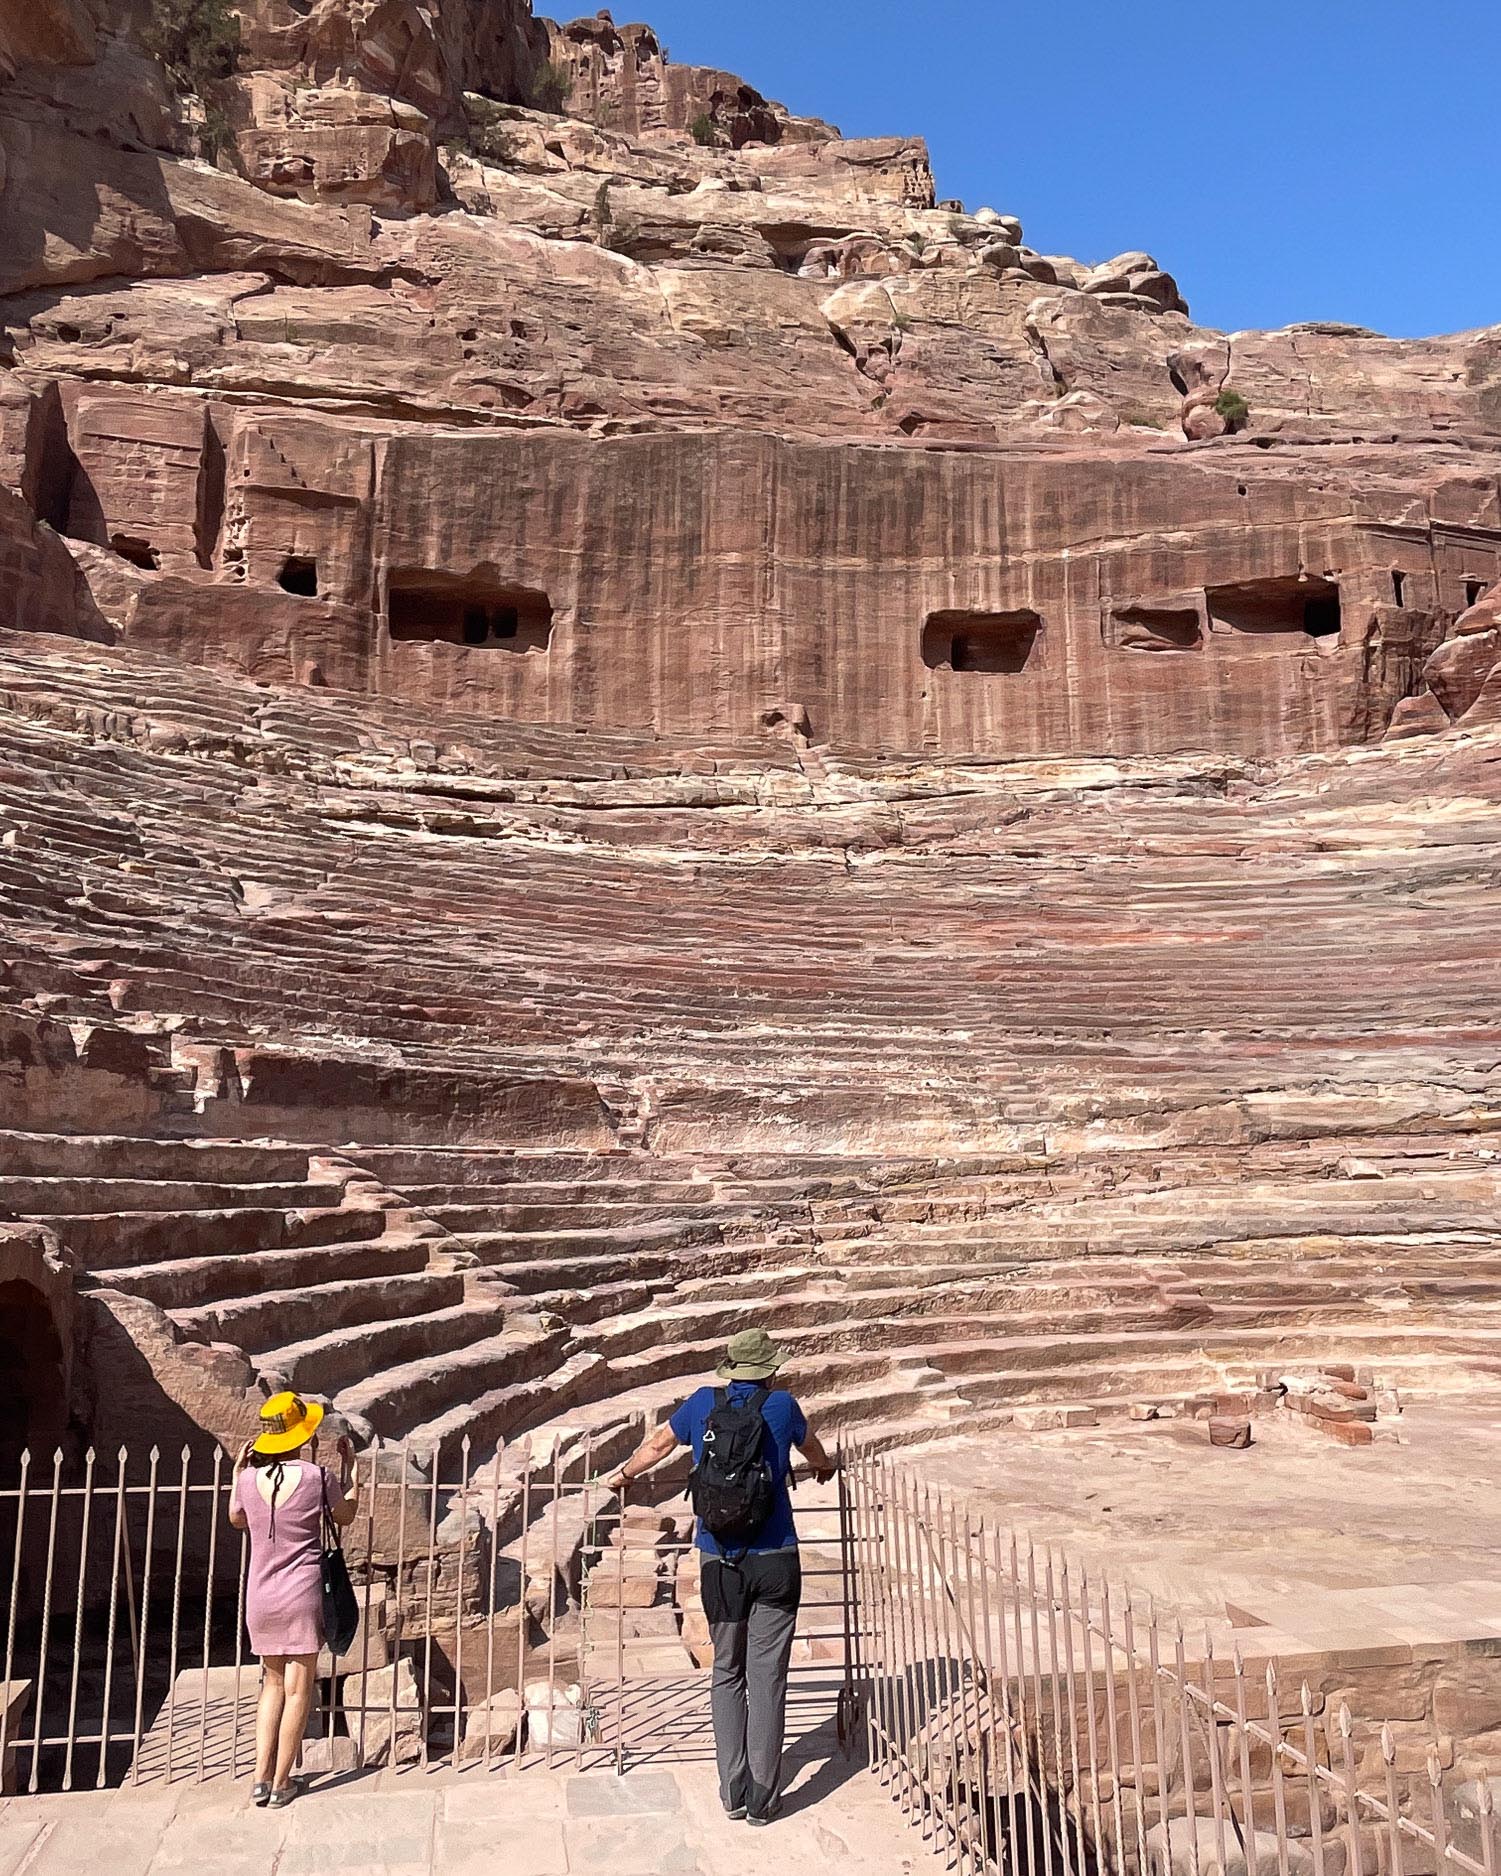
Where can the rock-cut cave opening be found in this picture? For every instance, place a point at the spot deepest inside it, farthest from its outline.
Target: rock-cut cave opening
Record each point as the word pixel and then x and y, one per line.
pixel 1295 603
pixel 980 641
pixel 299 574
pixel 472 612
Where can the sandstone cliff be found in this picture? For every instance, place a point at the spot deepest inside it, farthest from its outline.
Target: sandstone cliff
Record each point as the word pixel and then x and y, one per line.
pixel 608 710
pixel 456 355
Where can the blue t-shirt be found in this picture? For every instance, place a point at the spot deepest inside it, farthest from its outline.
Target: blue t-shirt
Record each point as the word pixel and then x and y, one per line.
pixel 785 1428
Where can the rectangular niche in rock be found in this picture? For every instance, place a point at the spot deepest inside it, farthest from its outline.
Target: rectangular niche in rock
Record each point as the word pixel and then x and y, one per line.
pixel 1149 627
pixel 1264 608
pixel 455 609
pixel 980 641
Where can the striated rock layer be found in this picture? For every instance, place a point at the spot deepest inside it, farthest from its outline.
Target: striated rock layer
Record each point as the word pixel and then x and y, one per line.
pixel 610 715
pixel 479 1077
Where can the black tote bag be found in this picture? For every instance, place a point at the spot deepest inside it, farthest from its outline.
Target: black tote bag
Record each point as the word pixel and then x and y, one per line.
pixel 341 1607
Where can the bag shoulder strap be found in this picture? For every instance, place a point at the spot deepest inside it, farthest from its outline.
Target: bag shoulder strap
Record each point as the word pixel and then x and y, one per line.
pixel 759 1399
pixel 331 1537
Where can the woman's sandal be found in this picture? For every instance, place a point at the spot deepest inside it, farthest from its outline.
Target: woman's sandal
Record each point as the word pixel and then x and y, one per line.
pixel 260 1794
pixel 279 1800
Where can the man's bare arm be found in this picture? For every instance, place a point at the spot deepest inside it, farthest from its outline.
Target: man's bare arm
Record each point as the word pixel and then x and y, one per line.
pixel 812 1449
pixel 651 1452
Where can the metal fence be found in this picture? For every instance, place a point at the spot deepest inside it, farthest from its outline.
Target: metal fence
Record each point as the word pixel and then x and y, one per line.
pixel 1025 1716
pixel 510 1613
pixel 1028 1719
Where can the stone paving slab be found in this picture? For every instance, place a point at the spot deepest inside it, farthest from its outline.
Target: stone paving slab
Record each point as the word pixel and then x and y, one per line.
pixel 533 1823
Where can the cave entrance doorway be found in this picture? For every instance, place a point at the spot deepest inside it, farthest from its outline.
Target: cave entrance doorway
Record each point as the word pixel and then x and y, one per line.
pixel 299 575
pixel 480 613
pixel 33 1403
pixel 1267 608
pixel 1001 642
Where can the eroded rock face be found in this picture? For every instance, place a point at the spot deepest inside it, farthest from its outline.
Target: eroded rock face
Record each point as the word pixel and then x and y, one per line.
pixel 1462 680
pixel 620 77
pixel 424 391
pixel 43 587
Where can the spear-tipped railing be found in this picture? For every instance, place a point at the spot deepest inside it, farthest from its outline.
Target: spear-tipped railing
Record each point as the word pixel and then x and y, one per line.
pixel 1030 1719
pixel 1026 1714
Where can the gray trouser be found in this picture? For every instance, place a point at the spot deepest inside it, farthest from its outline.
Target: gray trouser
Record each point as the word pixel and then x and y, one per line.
pixel 752 1612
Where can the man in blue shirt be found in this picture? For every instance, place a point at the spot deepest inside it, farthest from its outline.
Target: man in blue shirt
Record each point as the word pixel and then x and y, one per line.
pixel 751 1592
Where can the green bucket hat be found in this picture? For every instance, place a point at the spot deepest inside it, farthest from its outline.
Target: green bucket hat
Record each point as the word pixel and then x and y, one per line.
pixel 750 1356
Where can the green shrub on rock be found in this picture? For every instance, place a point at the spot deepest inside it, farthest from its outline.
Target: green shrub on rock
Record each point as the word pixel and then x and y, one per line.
pixel 551 85
pixel 489 138
pixel 1232 407
pixel 197 43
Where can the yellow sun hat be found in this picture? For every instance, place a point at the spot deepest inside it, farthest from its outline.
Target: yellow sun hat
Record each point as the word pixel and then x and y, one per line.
pixel 287 1422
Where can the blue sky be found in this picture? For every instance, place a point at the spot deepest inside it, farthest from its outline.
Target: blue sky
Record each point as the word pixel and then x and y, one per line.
pixel 1322 160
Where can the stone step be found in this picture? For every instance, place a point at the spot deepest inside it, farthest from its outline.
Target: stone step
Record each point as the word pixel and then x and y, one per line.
pixel 260 1322
pixel 579 1388
pixel 120 1156
pixel 500 1248
pixel 121 1239
pixel 423 1389
pixel 657 1267
pixel 189 1282
pixel 67 1197
pixel 338 1358
pixel 582 1218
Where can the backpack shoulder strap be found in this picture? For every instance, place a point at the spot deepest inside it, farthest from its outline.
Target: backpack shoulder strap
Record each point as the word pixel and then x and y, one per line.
pixel 759 1399
pixel 721 1397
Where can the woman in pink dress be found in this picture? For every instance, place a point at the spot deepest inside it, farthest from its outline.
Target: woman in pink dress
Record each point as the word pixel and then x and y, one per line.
pixel 279 1498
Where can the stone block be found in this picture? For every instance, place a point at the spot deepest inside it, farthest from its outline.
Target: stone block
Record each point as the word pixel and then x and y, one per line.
pixel 624 1580
pixel 1184 1849
pixel 1226 1430
pixel 338 1754
pixel 371 1645
pixel 1467 1701
pixel 383 1709
pixel 557 1716
pixel 1047 1419
pixel 605 1626
pixel 1348 1432
pixel 1412 1749
pixel 490 1728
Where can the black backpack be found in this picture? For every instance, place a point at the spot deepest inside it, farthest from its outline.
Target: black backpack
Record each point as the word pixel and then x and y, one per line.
pixel 734 1492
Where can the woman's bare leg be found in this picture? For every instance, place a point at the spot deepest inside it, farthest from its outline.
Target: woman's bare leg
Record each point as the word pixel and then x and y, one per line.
pixel 268 1712
pixel 300 1681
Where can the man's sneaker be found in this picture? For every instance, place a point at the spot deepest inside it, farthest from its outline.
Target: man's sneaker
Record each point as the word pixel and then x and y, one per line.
pixel 736 1813
pixel 764 1817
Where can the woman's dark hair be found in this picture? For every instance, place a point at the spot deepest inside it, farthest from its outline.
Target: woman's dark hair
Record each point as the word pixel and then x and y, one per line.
pixel 274 1462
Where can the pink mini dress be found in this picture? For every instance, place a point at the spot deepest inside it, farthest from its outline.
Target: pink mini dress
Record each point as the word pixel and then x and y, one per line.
pixel 284 1584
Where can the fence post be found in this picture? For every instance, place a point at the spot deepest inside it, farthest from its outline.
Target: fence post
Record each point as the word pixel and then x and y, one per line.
pixel 152 1477
pixel 14 1603
pixel 41 1672
pixel 215 1486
